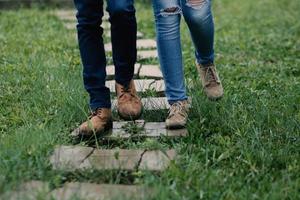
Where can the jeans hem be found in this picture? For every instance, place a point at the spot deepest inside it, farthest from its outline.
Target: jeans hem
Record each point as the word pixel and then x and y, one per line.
pixel 99 105
pixel 174 101
pixel 201 62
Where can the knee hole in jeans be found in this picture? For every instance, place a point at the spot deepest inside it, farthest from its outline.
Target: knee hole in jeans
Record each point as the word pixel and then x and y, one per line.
pixel 170 11
pixel 195 3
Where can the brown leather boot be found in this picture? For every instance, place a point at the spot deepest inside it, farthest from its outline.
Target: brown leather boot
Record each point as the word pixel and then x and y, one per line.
pixel 99 121
pixel 129 104
pixel 210 81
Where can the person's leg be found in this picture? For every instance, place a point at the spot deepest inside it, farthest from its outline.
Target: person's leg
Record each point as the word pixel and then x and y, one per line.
pixel 92 52
pixel 167 17
pixel 198 15
pixel 123 37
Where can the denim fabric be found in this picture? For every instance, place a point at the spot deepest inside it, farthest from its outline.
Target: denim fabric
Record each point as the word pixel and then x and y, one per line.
pixel 123 37
pixel 198 16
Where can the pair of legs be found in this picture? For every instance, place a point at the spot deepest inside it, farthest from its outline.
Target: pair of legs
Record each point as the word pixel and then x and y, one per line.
pixel 199 19
pixel 123 38
pixel 198 16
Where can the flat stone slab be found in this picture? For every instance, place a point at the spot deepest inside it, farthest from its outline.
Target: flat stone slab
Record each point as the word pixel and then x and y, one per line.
pixel 140 71
pixel 70 25
pixel 151 103
pixel 150 71
pixel 140 44
pixel 156 160
pixel 68 17
pixel 114 159
pixel 141 85
pixel 33 190
pixel 147 54
pixel 140 128
pixel 155 103
pixel 70 156
pixel 65 158
pixel 63 14
pixel 90 191
pixel 29 191
pixel 110 70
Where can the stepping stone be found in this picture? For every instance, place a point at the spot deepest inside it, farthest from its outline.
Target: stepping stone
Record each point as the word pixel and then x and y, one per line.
pixel 110 71
pixel 140 44
pixel 147 54
pixel 150 71
pixel 29 190
pixel 33 190
pixel 139 128
pixel 68 18
pixel 68 156
pixel 70 25
pixel 63 14
pixel 151 103
pixel 92 191
pixel 140 71
pixel 156 160
pixel 155 103
pixel 65 158
pixel 142 85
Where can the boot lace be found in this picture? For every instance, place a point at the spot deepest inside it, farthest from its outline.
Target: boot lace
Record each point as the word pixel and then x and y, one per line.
pixel 177 108
pixel 96 113
pixel 211 75
pixel 125 90
pixel 126 93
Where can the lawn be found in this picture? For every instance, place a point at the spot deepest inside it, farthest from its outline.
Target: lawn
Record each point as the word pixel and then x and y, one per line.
pixel 246 146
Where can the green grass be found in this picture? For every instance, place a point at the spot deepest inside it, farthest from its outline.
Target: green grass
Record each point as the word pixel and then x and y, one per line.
pixel 246 146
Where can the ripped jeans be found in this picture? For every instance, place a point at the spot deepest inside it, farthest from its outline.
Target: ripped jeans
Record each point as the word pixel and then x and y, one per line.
pixel 198 16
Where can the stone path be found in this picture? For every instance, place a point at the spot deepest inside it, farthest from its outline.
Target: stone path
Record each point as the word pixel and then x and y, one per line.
pixel 139 129
pixel 147 54
pixel 72 158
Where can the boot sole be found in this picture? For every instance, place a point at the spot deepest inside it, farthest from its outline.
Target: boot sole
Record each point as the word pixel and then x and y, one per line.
pixel 175 127
pixel 215 98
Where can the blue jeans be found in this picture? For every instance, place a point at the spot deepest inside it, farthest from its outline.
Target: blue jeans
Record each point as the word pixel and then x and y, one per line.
pixel 198 16
pixel 123 38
